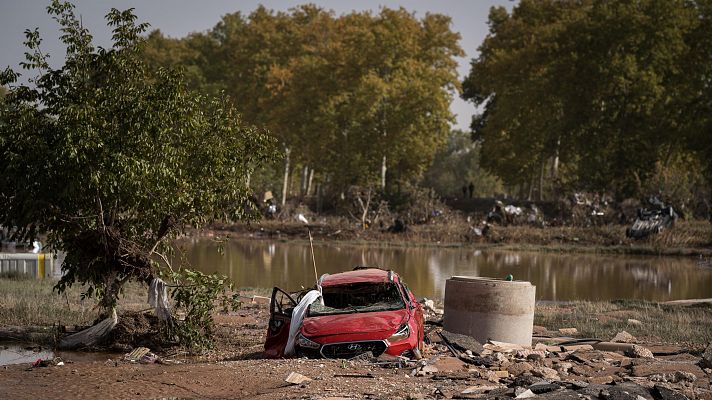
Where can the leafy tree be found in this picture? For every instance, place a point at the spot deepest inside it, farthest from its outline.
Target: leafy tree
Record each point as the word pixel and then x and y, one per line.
pixel 458 164
pixel 351 96
pixel 592 84
pixel 111 158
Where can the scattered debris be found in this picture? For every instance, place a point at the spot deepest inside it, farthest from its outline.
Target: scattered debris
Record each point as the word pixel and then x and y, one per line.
pixel 296 378
pixel 141 355
pixel 652 221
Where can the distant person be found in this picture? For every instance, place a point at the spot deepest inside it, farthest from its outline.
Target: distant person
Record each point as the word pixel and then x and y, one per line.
pixel 464 191
pixel 471 188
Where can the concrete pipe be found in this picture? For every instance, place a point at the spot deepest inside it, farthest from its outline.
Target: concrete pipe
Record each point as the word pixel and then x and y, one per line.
pixel 490 309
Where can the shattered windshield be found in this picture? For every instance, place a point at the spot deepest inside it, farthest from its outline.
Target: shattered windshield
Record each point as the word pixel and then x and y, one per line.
pixel 357 298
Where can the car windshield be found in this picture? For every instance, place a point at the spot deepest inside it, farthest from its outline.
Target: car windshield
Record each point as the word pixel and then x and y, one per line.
pixel 357 298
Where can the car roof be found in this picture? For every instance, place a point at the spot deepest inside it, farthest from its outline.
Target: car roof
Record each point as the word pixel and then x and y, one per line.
pixel 374 275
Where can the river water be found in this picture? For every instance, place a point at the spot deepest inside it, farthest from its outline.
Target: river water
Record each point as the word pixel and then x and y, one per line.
pixel 558 277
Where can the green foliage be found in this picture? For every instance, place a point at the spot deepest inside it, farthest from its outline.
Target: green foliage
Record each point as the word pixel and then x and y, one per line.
pixel 111 158
pixel 341 92
pixel 458 164
pixel 195 295
pixel 607 88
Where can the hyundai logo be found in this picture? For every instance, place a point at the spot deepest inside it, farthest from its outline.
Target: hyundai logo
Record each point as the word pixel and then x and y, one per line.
pixel 354 347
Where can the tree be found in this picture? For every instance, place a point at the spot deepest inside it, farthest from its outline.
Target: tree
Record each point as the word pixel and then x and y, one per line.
pixel 112 159
pixel 353 97
pixel 592 84
pixel 458 164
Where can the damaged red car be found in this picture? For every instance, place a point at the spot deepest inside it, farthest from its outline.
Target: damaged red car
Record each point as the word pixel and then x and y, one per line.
pixel 364 310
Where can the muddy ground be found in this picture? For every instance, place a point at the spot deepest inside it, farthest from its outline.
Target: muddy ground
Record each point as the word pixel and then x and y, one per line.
pixel 236 370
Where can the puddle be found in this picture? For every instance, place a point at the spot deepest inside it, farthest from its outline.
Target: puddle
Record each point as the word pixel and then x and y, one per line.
pixel 18 353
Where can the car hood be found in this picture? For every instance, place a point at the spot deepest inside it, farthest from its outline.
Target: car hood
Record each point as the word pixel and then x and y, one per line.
pixel 371 322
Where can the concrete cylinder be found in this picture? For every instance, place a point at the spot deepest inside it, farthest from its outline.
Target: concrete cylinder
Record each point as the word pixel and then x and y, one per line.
pixel 490 309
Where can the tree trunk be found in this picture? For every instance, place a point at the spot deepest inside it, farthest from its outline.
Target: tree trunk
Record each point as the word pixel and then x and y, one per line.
pixel 303 183
pixel 541 179
pixel 285 184
pixel 383 173
pixel 309 181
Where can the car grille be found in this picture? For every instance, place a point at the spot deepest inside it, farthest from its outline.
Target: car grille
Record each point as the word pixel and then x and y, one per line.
pixel 352 349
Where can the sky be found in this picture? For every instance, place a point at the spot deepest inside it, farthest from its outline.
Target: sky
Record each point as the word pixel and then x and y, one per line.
pixel 177 18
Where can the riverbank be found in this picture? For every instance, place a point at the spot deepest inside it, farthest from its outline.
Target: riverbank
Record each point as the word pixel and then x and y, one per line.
pixel 676 335
pixel 32 303
pixel 686 238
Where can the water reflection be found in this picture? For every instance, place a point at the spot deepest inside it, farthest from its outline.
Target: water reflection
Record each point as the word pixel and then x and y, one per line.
pixel 256 263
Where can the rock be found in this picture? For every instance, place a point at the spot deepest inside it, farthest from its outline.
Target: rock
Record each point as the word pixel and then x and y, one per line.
pixel 684 376
pixel 462 342
pixel 296 378
pixel 545 372
pixel 428 304
pixel 628 391
pixel 428 369
pixel 481 389
pixel 568 331
pixel 600 380
pixel 565 394
pixel 662 393
pixel 501 358
pixel 707 357
pixel 634 322
pixel 519 368
pixel 594 390
pixel 563 367
pixel 624 337
pixel 525 395
pixel 535 357
pixel 575 347
pixel 639 352
pixel 540 388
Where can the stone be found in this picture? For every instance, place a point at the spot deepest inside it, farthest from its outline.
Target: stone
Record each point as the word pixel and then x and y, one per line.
pixel 540 388
pixel 426 370
pixel 463 342
pixel 684 376
pixel 634 322
pixel 525 395
pixel 707 357
pixel 568 331
pixel 535 357
pixel 624 337
pixel 581 347
pixel 639 352
pixel 545 372
pixel 519 368
pixel 481 389
pixel 594 390
pixel 565 394
pixel 296 378
pixel 600 380
pixel 660 392
pixel 563 366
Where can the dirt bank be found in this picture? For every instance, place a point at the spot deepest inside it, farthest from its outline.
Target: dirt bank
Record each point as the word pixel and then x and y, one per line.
pixel 687 238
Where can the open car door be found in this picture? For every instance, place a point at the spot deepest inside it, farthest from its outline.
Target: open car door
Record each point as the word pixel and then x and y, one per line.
pixel 280 317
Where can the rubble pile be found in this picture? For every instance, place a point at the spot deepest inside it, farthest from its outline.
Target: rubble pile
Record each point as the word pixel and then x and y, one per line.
pixel 459 367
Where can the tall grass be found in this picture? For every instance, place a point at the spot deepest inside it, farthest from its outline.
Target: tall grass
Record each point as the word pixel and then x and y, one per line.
pixel 685 325
pixel 28 301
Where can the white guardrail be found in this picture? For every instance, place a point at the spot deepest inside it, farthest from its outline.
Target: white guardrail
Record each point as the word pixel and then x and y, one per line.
pixel 40 265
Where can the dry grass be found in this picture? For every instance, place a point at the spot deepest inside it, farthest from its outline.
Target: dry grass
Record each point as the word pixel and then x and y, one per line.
pixel 27 301
pixel 685 325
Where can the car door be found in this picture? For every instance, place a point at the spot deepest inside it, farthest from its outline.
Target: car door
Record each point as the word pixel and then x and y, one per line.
pixel 280 317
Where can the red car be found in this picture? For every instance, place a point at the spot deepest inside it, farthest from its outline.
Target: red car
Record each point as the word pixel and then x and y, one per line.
pixel 367 309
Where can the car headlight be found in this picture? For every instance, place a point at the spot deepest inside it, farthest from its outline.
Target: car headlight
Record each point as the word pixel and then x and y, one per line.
pixel 302 341
pixel 402 333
